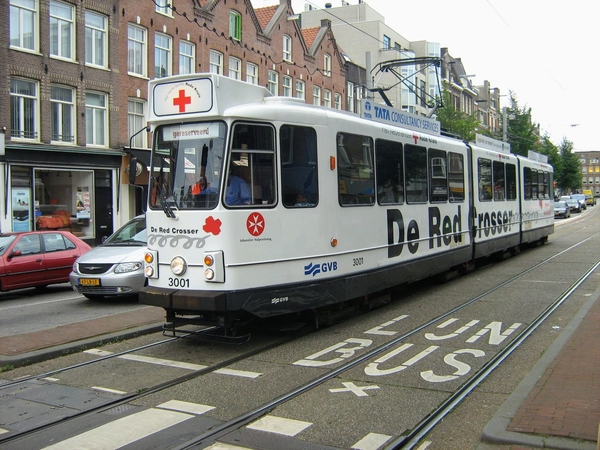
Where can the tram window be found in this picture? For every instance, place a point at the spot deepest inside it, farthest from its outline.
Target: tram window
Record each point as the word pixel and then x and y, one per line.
pixel 356 177
pixel 415 164
pixel 511 182
pixel 499 180
pixel 484 174
pixel 251 174
pixel 456 177
pixel 527 182
pixel 299 181
pixel 534 184
pixel 438 178
pixel 543 191
pixel 390 172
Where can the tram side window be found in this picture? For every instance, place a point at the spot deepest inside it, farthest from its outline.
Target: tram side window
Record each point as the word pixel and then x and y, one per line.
pixel 499 180
pixel 511 182
pixel 356 177
pixel 456 177
pixel 543 191
pixel 438 177
pixel 390 172
pixel 484 173
pixel 251 175
pixel 534 184
pixel 415 163
pixel 299 181
pixel 527 183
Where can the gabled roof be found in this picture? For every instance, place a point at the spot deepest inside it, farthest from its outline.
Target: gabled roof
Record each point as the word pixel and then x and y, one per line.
pixel 309 35
pixel 264 15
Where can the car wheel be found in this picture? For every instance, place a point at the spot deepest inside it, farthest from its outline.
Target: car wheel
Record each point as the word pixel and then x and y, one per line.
pixel 93 297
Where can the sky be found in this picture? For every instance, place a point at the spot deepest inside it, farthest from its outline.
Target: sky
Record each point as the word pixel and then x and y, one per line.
pixel 544 52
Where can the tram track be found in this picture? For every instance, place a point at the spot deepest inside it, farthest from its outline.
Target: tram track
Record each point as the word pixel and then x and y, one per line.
pixel 407 440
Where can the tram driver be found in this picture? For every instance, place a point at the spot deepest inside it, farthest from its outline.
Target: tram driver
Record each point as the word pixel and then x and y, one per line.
pixel 238 191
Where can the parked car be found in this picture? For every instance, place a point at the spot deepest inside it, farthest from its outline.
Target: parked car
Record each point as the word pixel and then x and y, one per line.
pixel 561 209
pixel 581 199
pixel 38 258
pixel 115 268
pixel 574 205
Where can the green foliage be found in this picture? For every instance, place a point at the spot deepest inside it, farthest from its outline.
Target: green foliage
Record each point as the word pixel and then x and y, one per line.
pixel 570 177
pixel 522 132
pixel 456 122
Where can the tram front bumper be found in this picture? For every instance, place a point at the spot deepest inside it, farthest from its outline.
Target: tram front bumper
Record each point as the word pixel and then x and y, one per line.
pixel 193 301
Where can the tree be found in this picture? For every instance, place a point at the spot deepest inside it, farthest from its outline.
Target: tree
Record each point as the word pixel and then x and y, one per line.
pixel 522 132
pixel 455 121
pixel 570 177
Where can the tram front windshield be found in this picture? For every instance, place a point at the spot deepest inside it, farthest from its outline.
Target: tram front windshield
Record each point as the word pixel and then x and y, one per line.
pixel 187 164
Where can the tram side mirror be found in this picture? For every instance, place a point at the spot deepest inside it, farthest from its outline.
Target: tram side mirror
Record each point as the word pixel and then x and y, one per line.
pixel 132 169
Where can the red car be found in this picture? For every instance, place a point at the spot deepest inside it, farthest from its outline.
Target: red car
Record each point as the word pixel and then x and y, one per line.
pixel 38 258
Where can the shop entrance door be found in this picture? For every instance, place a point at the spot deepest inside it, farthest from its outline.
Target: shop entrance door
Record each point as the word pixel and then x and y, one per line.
pixel 104 206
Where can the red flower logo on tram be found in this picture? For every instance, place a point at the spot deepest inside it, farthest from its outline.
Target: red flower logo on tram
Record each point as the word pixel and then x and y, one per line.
pixel 255 223
pixel 212 225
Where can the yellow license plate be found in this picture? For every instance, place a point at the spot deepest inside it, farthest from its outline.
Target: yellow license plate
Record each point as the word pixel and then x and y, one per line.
pixel 89 282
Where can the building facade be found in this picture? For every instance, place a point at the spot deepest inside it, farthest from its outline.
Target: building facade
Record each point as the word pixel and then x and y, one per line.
pixel 75 80
pixel 590 171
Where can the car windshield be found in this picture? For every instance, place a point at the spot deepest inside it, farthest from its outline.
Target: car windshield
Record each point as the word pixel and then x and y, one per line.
pixel 133 233
pixel 560 204
pixel 5 241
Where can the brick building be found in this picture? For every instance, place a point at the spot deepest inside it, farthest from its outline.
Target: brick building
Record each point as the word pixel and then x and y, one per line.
pixel 75 78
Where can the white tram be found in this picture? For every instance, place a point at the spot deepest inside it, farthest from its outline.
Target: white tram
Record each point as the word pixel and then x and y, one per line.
pixel 261 206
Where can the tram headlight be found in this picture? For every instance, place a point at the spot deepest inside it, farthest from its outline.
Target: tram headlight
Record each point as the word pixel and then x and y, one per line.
pixel 209 274
pixel 178 266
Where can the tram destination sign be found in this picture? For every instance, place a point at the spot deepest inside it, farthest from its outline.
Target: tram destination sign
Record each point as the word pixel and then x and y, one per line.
pixel 392 116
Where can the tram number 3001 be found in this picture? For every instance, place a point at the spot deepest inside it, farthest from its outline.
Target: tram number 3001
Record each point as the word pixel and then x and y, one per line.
pixel 357 261
pixel 179 282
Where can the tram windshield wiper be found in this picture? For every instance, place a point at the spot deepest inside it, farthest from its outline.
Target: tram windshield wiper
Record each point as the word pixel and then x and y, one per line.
pixel 167 207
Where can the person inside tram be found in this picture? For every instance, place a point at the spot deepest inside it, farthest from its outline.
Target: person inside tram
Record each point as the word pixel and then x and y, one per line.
pixel 238 191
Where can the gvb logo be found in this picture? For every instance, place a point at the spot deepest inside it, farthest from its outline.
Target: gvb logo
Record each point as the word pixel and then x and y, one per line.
pixel 314 269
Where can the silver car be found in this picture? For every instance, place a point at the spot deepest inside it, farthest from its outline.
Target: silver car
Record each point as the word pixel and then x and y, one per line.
pixel 115 268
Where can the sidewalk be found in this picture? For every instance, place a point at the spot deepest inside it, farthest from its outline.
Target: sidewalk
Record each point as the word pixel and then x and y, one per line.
pixel 42 345
pixel 557 405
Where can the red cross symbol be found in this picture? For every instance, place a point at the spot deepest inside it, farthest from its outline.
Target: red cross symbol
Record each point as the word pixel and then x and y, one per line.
pixel 182 100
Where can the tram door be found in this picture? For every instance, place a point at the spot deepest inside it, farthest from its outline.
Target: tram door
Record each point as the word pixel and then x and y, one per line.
pixel 104 207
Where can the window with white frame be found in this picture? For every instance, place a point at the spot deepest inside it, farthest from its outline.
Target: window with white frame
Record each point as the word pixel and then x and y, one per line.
pixel 162 55
pixel 337 101
pixel 216 62
pixel 187 57
pixel 235 25
pixel 24 24
pixel 137 60
pixel 287 48
pixel 62 114
pixel 136 120
pixel 62 24
pixel 316 95
pixel 273 84
pixel 286 84
pixel 24 109
pixel 235 68
pixel 327 98
pixel 327 65
pixel 96 119
pixel 251 73
pixel 163 8
pixel 96 32
pixel 300 89
pixel 350 101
